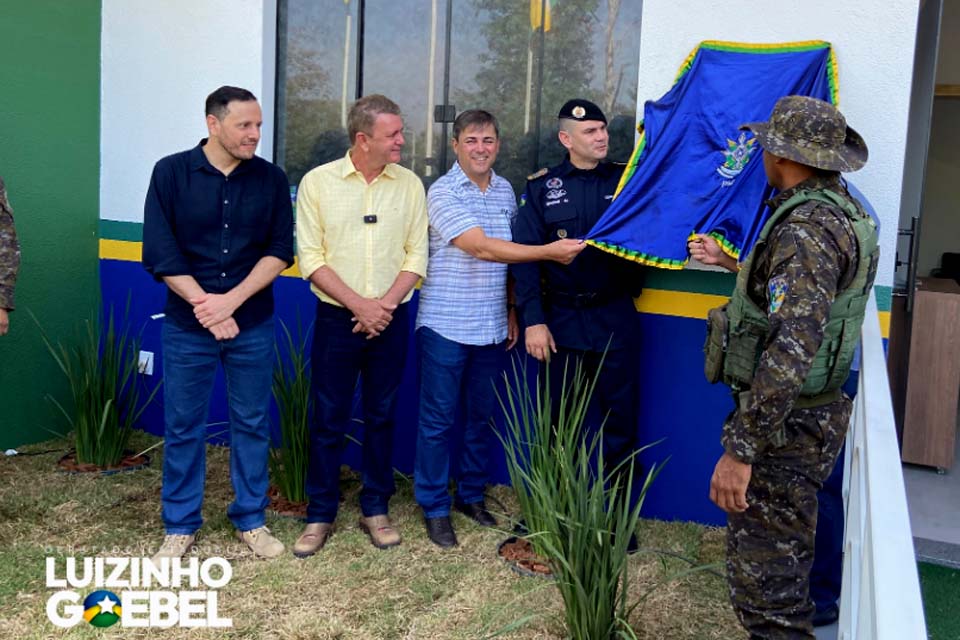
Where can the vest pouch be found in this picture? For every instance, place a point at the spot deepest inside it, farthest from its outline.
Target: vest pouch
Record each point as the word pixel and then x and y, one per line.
pixel 715 346
pixel 744 345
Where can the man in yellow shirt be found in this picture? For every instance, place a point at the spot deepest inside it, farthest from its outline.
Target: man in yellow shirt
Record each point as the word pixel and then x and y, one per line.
pixel 362 243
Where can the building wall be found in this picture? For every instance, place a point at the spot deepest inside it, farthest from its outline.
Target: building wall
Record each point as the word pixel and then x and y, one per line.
pixel 160 61
pixel 49 157
pixel 874 45
pixel 677 405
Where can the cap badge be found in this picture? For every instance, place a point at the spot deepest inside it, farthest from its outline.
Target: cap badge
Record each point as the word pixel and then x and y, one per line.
pixel 578 112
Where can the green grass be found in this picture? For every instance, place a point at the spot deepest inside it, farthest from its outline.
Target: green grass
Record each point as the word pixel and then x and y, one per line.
pixel 941 600
pixel 349 590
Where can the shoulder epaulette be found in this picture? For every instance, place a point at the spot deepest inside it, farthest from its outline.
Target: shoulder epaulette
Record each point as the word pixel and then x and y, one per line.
pixel 538 174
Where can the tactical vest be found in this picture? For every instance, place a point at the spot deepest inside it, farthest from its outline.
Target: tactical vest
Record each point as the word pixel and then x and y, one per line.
pixel 738 332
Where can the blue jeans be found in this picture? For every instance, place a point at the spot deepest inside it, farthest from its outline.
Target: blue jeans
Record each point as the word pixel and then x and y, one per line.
pixel 339 358
pixel 451 372
pixel 190 360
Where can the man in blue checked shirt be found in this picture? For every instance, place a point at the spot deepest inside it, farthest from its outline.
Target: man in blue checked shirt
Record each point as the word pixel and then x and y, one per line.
pixel 465 324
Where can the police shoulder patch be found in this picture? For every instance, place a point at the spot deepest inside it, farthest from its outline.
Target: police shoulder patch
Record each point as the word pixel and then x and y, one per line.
pixel 538 174
pixel 776 293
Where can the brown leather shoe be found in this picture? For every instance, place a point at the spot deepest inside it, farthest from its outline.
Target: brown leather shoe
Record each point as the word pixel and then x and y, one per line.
pixel 312 539
pixel 381 532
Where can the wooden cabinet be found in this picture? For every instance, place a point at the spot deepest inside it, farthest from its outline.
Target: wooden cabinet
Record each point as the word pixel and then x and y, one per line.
pixel 933 384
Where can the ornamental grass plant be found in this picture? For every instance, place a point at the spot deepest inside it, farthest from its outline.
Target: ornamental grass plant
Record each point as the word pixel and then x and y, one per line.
pixel 579 517
pixel 292 395
pixel 101 369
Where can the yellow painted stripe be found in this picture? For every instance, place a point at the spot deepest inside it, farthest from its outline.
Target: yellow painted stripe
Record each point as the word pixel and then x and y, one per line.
pixel 696 305
pixel 293 271
pixel 677 303
pixel 662 302
pixel 133 252
pixel 121 250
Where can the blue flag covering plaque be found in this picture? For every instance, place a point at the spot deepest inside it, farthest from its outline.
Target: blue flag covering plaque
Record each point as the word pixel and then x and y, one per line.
pixel 693 170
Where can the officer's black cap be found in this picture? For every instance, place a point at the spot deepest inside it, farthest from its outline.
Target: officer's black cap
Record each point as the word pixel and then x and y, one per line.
pixel 580 109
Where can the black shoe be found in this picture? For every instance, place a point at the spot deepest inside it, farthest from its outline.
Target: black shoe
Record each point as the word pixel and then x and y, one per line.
pixel 477 511
pixel 823 617
pixel 440 531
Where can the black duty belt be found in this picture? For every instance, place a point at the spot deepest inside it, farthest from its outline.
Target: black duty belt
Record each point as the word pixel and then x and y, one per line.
pixel 581 300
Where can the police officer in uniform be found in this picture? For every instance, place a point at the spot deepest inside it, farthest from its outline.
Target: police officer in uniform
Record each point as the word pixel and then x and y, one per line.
pixel 584 308
pixel 784 343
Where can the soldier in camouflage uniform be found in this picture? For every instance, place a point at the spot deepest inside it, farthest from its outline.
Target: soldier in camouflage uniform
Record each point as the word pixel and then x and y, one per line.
pixel 9 259
pixel 782 439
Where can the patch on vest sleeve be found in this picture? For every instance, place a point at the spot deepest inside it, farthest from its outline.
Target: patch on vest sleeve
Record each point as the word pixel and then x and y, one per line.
pixel 777 292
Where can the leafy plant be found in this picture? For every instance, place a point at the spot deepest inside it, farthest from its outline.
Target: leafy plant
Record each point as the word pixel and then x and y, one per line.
pixel 101 370
pixel 580 519
pixel 292 394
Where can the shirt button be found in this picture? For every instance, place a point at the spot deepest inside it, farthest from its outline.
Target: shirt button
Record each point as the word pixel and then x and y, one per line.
pixel 226 251
pixel 226 226
pixel 223 275
pixel 226 202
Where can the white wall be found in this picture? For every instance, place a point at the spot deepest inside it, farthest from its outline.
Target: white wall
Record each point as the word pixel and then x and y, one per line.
pixel 873 41
pixel 160 60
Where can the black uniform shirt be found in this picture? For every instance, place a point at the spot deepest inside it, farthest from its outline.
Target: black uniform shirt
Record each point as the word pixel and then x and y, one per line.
pixel 582 303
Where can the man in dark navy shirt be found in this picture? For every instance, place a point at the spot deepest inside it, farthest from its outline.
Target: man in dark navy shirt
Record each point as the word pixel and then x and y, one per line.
pixel 218 229
pixel 574 311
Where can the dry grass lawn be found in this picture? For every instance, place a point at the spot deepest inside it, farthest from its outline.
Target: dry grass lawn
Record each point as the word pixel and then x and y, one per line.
pixel 350 590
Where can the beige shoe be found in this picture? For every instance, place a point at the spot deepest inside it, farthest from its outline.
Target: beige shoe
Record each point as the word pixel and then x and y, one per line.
pixel 261 542
pixel 381 532
pixel 174 545
pixel 312 539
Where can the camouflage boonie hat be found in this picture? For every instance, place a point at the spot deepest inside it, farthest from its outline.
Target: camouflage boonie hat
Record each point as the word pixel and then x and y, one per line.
pixel 811 132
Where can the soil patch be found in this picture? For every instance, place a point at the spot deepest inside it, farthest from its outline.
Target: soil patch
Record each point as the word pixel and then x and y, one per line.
pixel 130 462
pixel 519 554
pixel 283 507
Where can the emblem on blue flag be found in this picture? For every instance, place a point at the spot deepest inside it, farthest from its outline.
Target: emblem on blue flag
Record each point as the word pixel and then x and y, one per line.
pixel 736 157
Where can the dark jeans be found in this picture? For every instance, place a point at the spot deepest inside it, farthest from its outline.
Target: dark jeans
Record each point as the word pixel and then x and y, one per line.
pixel 190 361
pixel 339 358
pixel 451 373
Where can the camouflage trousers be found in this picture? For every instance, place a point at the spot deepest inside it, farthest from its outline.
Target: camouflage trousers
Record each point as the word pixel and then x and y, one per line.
pixel 770 545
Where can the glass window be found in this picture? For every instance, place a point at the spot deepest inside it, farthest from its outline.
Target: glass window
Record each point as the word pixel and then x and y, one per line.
pixel 499 58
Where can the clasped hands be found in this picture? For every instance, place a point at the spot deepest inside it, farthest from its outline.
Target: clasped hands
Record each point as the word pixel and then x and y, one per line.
pixel 372 316
pixel 215 312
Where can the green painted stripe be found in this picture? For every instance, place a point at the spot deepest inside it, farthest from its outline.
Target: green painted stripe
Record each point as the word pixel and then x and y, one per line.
pixel 884 297
pixel 716 283
pixel 118 230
